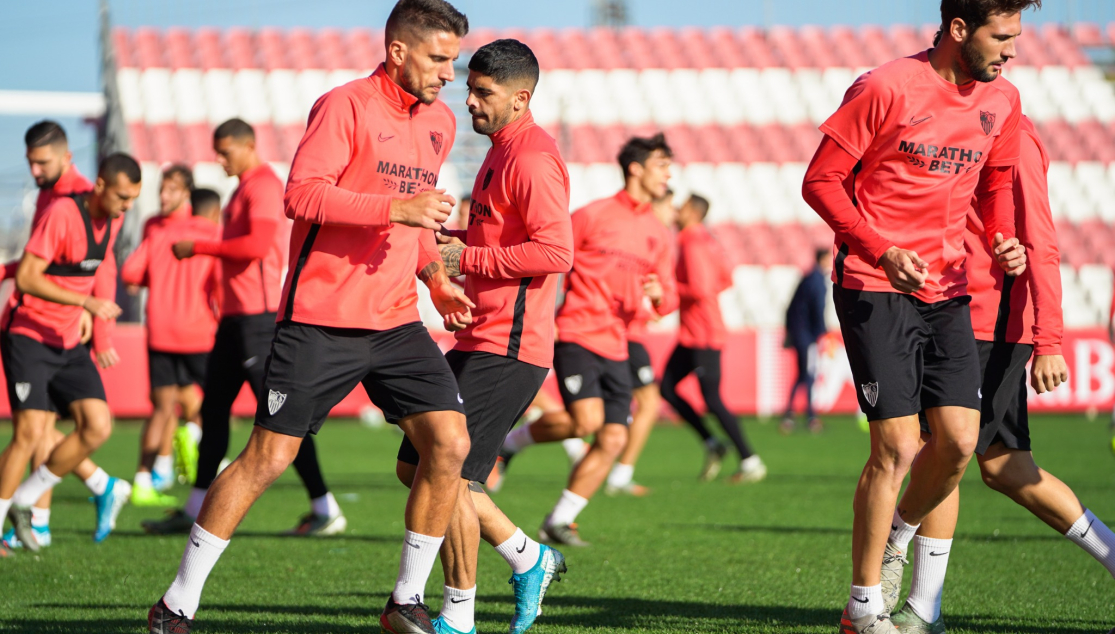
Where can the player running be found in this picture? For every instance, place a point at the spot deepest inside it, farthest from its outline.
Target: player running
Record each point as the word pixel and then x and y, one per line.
pixel 361 193
pixel 703 272
pixel 519 239
pixel 622 253
pixel 1013 319
pixel 252 251
pixel 181 324
pixel 47 368
pixel 893 177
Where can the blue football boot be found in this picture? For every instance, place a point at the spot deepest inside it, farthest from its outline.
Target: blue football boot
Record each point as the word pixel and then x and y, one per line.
pixel 530 587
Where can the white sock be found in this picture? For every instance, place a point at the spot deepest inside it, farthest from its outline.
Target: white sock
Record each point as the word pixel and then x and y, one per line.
pixel 901 533
pixel 419 553
pixel 931 562
pixel 4 506
pixel 520 552
pixel 1095 538
pixel 325 506
pixel 575 448
pixel 193 504
pixel 143 479
pixel 39 482
pixel 865 601
pixel 750 463
pixel 40 517
pixel 202 552
pixel 164 466
pixel 518 438
pixel 194 430
pixel 459 609
pixel 621 475
pixel 568 507
pixel 98 482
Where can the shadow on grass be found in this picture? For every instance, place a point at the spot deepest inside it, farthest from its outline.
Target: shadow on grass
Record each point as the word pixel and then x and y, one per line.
pixel 828 530
pixel 255 535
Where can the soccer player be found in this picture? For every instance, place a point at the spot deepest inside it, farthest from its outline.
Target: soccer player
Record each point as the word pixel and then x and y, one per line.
pixel 893 177
pixel 252 250
pixel 648 400
pixel 805 323
pixel 519 239
pixel 47 368
pixel 460 221
pixel 622 253
pixel 703 273
pixel 363 199
pixel 1014 319
pixel 181 322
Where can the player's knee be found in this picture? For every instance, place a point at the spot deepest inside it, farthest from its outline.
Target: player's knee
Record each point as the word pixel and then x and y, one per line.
pixel 896 456
pixel 95 430
pixel 583 426
pixel 612 441
pixel 957 448
pixel 451 445
pixel 28 435
pixel 405 472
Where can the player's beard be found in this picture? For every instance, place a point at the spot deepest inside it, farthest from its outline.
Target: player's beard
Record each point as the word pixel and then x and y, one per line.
pixel 493 124
pixel 48 183
pixel 411 84
pixel 974 63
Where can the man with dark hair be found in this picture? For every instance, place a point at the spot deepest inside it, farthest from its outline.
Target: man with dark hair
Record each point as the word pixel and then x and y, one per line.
pixel 519 239
pixel 252 251
pixel 703 273
pixel 47 368
pixel 362 196
pixel 805 323
pixel 181 324
pixel 911 144
pixel 621 255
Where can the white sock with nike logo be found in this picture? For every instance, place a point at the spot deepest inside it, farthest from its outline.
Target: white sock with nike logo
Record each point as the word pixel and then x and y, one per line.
pixel 931 562
pixel 1095 538
pixel 520 552
pixel 458 610
pixel 203 549
pixel 901 533
pixel 39 482
pixel 518 439
pixel 865 601
pixel 419 554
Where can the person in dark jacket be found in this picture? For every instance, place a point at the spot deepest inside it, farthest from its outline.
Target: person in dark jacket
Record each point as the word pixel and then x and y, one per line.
pixel 805 323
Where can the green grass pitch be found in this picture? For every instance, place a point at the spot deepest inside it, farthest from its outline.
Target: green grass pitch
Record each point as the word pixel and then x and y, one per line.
pixel 771 557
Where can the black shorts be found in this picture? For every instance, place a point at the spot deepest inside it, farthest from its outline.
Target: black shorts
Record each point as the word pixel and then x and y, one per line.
pixel 46 378
pixel 584 374
pixel 168 369
pixel 312 368
pixel 638 363
pixel 1004 417
pixel 907 355
pixel 496 390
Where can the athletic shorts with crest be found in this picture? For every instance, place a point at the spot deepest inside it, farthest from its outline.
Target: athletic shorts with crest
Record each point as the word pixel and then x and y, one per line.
pixel 496 390
pixel 908 355
pixel 312 368
pixel 638 363
pixel 583 374
pixel 46 378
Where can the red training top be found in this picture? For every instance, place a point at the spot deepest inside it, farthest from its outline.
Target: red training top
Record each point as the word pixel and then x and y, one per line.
pixel 1033 312
pixel 186 210
pixel 702 273
pixel 909 148
pixel 60 238
pixel 519 238
pixel 367 143
pixel 70 182
pixel 182 294
pixel 253 245
pixel 617 243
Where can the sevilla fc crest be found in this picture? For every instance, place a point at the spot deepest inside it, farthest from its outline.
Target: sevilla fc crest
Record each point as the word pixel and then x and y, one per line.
pixel 437 139
pixel 871 393
pixel 987 120
pixel 574 383
pixel 275 401
pixel 22 391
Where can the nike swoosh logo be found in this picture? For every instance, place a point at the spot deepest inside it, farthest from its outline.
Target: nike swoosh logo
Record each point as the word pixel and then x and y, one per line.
pixel 1087 530
pixel 196 542
pixel 520 550
pixel 414 546
pixel 893 527
pixel 859 600
pixel 457 600
pixel 938 554
pixel 919 121
pixel 385 138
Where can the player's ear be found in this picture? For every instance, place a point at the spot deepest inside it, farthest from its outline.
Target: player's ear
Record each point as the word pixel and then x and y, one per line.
pixel 397 52
pixel 99 186
pixel 522 99
pixel 958 30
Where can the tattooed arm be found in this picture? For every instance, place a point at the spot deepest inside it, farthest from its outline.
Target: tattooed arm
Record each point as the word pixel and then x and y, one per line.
pixel 451 257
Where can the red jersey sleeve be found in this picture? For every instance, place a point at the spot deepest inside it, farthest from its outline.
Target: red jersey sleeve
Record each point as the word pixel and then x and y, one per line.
pixel 703 275
pixel 541 193
pixel 48 236
pixel 104 287
pixel 1039 235
pixel 667 276
pixel 861 115
pixel 427 250
pixel 995 196
pixel 251 246
pixel 1007 148
pixel 10 268
pixel 134 270
pixel 323 155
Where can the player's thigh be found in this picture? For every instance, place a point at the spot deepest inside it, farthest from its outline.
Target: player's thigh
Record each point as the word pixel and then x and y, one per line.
pixel 194 369
pixel 224 369
pixel 408 374
pixel 615 388
pixel 678 366
pixel 708 369
pixel 78 380
pixel 951 366
pixel 578 373
pixel 29 368
pixel 161 369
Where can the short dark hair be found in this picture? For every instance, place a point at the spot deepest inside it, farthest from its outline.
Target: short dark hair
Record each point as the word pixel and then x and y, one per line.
pixel 202 199
pixel 418 17
pixel 699 203
pixel 45 132
pixel 977 13
pixel 235 128
pixel 639 149
pixel 181 171
pixel 506 62
pixel 119 163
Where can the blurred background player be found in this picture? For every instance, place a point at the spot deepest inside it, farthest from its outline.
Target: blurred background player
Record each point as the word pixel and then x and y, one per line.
pixel 460 219
pixel 622 253
pixel 703 273
pixel 47 368
pixel 181 324
pixel 252 251
pixel 805 323
pixel 1013 319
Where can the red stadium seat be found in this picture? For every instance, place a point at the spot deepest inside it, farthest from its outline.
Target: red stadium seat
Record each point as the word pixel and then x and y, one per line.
pixel 122 47
pixel 267 143
pixel 757 51
pixel 290 136
pixel 724 49
pixel 1088 34
pixel 365 49
pixel 906 41
pixel 140 142
pixel 166 143
pixel 302 50
pixel 210 51
pixel 239 49
pixel 198 143
pixel 179 49
pixel 637 49
pixel 148 48
pixel 272 49
pixel 478 37
pixel 605 47
pixel 786 46
pixel 331 49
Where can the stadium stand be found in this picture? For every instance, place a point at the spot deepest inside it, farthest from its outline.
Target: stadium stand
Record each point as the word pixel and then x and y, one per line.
pixel 739 106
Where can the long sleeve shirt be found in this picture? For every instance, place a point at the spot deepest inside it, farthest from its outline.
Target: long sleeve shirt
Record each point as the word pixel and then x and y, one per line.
pixel 805 316
pixel 703 273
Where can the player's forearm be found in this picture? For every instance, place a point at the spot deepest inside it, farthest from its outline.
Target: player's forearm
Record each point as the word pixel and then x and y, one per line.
pixel 37 285
pixel 322 203
pixel 252 246
pixel 528 259
pixel 995 196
